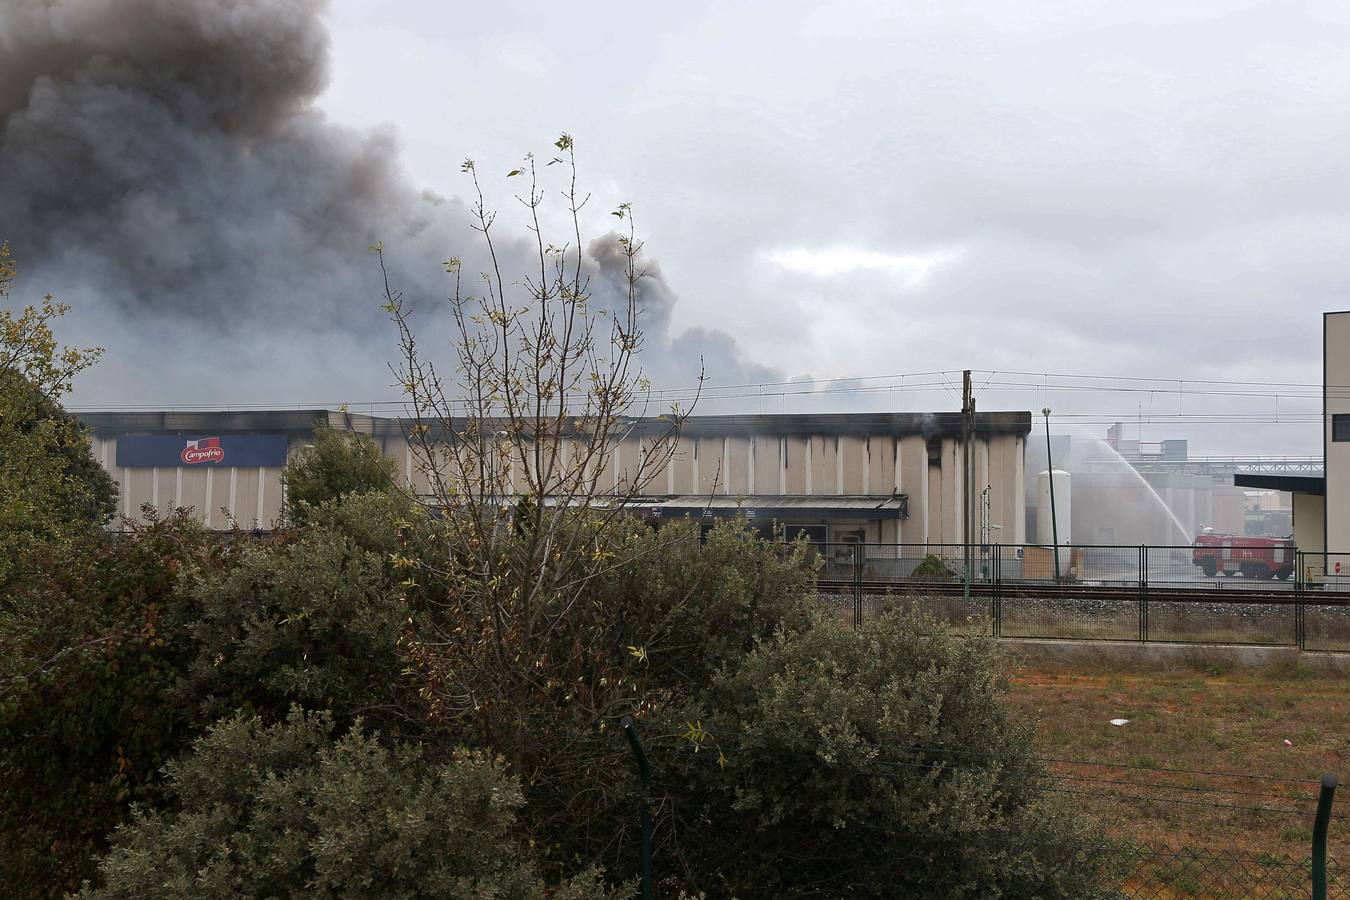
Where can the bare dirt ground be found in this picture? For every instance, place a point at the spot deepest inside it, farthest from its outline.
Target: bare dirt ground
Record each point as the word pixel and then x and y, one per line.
pixel 1237 784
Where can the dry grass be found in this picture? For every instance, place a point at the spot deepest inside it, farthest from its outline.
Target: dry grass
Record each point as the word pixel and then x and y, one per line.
pixel 1204 720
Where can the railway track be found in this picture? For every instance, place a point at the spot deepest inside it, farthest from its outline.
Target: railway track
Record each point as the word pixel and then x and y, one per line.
pixel 1132 593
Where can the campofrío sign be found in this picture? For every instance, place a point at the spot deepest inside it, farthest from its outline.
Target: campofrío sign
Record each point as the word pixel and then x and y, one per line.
pixel 195 450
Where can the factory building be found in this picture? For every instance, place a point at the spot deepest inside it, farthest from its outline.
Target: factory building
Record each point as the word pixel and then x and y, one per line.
pixel 866 477
pixel 1126 492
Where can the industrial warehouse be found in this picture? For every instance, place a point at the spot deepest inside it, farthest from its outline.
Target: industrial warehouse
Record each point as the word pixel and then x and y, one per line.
pixel 855 478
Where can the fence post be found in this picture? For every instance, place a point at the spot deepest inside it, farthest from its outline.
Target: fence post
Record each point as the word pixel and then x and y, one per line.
pixel 645 774
pixel 1143 593
pixel 1319 847
pixel 858 557
pixel 965 591
pixel 996 576
pixel 1299 636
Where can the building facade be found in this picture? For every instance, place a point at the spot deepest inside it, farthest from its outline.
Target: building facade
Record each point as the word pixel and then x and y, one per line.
pixel 1336 431
pixel 873 478
pixel 1321 499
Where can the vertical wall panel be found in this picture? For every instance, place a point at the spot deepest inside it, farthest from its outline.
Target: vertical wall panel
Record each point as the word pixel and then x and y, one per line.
pixel 853 453
pixel 795 468
pixel 736 474
pixel 194 492
pixel 708 455
pixel 824 470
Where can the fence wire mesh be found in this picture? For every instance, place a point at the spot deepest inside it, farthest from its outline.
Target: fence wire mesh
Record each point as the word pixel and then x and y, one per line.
pixel 1160 872
pixel 1260 594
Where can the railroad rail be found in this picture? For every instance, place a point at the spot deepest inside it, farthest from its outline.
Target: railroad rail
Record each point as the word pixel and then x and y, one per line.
pixel 1073 591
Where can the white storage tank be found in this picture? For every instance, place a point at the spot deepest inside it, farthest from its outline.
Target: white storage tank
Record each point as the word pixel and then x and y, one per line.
pixel 1045 533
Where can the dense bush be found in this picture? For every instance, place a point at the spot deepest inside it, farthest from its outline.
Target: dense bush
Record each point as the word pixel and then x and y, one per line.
pixel 116 650
pixel 828 762
pixel 643 631
pixel 869 764
pixel 291 811
pixel 314 620
pixel 933 568
pixel 338 463
pixel 94 644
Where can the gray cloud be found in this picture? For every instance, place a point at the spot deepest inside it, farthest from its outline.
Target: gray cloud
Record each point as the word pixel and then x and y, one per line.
pixel 164 167
pixel 1145 189
pixel 1150 189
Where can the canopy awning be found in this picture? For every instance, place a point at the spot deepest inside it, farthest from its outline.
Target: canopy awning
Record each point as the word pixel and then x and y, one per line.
pixel 781 507
pixel 1295 484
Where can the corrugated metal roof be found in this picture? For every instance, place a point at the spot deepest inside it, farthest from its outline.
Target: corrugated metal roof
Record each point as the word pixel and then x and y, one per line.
pixel 876 425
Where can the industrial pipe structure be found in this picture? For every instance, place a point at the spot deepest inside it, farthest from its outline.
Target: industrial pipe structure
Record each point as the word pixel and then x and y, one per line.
pixel 1054 517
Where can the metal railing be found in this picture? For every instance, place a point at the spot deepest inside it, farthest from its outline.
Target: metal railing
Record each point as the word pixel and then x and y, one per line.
pixel 1238 594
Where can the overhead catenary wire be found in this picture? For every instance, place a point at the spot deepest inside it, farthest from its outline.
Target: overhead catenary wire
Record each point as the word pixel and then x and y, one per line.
pixel 1286 398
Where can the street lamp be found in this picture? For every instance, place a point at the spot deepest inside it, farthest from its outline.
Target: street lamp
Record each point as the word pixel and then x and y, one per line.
pixel 1049 461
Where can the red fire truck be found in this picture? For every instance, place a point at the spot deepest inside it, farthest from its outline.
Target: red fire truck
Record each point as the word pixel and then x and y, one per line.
pixel 1254 557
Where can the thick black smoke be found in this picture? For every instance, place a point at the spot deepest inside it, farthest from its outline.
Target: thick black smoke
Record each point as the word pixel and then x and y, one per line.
pixel 163 166
pixel 670 359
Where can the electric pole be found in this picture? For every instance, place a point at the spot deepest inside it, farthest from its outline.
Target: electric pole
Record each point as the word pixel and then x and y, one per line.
pixel 967 473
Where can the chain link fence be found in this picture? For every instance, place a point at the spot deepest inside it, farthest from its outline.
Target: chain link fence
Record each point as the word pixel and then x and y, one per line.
pixel 1160 872
pixel 1265 594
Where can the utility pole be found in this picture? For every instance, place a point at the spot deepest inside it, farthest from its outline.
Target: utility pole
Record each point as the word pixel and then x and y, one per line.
pixel 967 481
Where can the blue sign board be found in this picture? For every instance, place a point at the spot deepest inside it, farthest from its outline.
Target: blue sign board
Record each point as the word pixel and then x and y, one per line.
pixel 193 450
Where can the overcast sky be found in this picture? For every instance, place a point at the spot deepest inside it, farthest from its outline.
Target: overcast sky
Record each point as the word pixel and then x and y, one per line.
pixel 1151 189
pixel 857 189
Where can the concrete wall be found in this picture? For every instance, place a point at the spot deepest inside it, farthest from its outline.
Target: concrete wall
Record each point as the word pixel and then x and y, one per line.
pixel 1309 522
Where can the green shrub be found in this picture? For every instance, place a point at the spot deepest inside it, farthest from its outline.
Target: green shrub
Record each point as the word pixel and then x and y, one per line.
pixel 933 568
pixel 94 646
pixel 869 764
pixel 337 464
pixel 116 650
pixel 51 487
pixel 315 621
pixel 546 680
pixel 291 811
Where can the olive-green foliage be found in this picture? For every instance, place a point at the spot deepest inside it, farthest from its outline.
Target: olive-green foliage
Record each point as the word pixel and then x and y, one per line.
pixel 338 463
pixel 645 628
pixel 86 492
pixel 696 608
pixel 932 568
pixel 94 644
pixel 874 764
pixel 50 486
pixel 313 620
pixel 291 810
pixel 116 650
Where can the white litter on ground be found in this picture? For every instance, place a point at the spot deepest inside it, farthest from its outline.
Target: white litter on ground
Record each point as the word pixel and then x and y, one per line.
pixel 1120 721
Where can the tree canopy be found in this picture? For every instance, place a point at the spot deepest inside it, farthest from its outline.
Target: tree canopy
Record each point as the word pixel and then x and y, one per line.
pixel 50 484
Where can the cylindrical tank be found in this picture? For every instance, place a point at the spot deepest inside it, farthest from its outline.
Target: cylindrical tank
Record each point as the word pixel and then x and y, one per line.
pixel 1045 532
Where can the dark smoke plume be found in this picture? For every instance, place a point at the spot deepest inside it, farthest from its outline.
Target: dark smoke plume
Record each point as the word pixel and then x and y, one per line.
pixel 164 167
